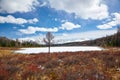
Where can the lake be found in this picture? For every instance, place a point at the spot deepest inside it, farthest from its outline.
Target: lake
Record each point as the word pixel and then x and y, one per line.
pixel 59 49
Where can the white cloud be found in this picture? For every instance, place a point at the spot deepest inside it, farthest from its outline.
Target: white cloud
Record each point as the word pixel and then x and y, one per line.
pixel 71 37
pixel 117 18
pixel 13 20
pixel 63 21
pixel 82 36
pixel 12 6
pixel 32 30
pixel 86 35
pixel 33 20
pixel 114 22
pixel 65 26
pixel 86 9
pixel 69 26
pixel 43 4
pixel 64 34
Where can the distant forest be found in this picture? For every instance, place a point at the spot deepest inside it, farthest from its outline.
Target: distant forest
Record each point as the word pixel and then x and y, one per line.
pixel 108 41
pixel 5 42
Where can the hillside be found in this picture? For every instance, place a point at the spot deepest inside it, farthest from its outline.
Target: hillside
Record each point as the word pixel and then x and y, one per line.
pixel 113 41
pixel 5 42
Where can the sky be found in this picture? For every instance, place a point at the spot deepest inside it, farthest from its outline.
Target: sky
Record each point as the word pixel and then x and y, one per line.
pixel 71 20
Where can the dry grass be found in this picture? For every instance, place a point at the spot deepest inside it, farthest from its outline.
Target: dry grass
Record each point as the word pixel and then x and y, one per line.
pixel 95 65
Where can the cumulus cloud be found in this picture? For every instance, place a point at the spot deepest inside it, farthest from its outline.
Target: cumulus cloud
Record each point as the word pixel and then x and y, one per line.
pixel 72 37
pixel 33 20
pixel 64 26
pixel 12 6
pixel 86 9
pixel 114 22
pixel 13 20
pixel 32 30
pixel 82 36
pixel 69 26
pixel 117 18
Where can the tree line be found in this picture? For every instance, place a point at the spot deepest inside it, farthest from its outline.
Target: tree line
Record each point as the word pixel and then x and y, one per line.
pixel 5 42
pixel 113 40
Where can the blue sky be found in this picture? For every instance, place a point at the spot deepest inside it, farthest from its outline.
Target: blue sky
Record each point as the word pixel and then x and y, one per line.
pixel 66 19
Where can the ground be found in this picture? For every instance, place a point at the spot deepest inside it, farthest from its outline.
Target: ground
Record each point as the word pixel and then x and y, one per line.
pixel 90 65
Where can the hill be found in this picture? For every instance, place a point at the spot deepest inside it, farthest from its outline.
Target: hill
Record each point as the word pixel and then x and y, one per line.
pixel 113 41
pixel 5 42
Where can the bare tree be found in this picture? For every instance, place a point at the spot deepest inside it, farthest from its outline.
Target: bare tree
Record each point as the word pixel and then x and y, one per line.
pixel 49 40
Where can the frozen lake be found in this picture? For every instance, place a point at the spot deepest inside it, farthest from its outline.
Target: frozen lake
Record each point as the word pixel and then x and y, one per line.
pixel 59 49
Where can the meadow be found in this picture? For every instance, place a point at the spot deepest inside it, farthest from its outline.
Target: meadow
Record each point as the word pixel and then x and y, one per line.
pixel 81 65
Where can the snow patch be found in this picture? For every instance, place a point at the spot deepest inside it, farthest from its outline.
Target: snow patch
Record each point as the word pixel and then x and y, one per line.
pixel 59 49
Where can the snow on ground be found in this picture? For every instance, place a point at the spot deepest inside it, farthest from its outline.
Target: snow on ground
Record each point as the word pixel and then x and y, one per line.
pixel 59 49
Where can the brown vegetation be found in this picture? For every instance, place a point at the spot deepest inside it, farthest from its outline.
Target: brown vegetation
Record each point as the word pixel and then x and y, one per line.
pixel 103 65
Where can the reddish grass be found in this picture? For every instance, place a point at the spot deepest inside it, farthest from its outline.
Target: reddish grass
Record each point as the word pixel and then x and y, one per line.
pixel 94 65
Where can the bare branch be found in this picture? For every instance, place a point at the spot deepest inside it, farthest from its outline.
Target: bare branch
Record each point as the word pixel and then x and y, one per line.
pixel 48 39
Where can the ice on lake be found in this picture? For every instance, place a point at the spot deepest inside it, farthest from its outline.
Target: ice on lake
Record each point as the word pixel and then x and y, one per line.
pixel 59 49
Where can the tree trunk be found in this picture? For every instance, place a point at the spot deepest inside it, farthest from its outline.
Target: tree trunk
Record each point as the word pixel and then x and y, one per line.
pixel 49 49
